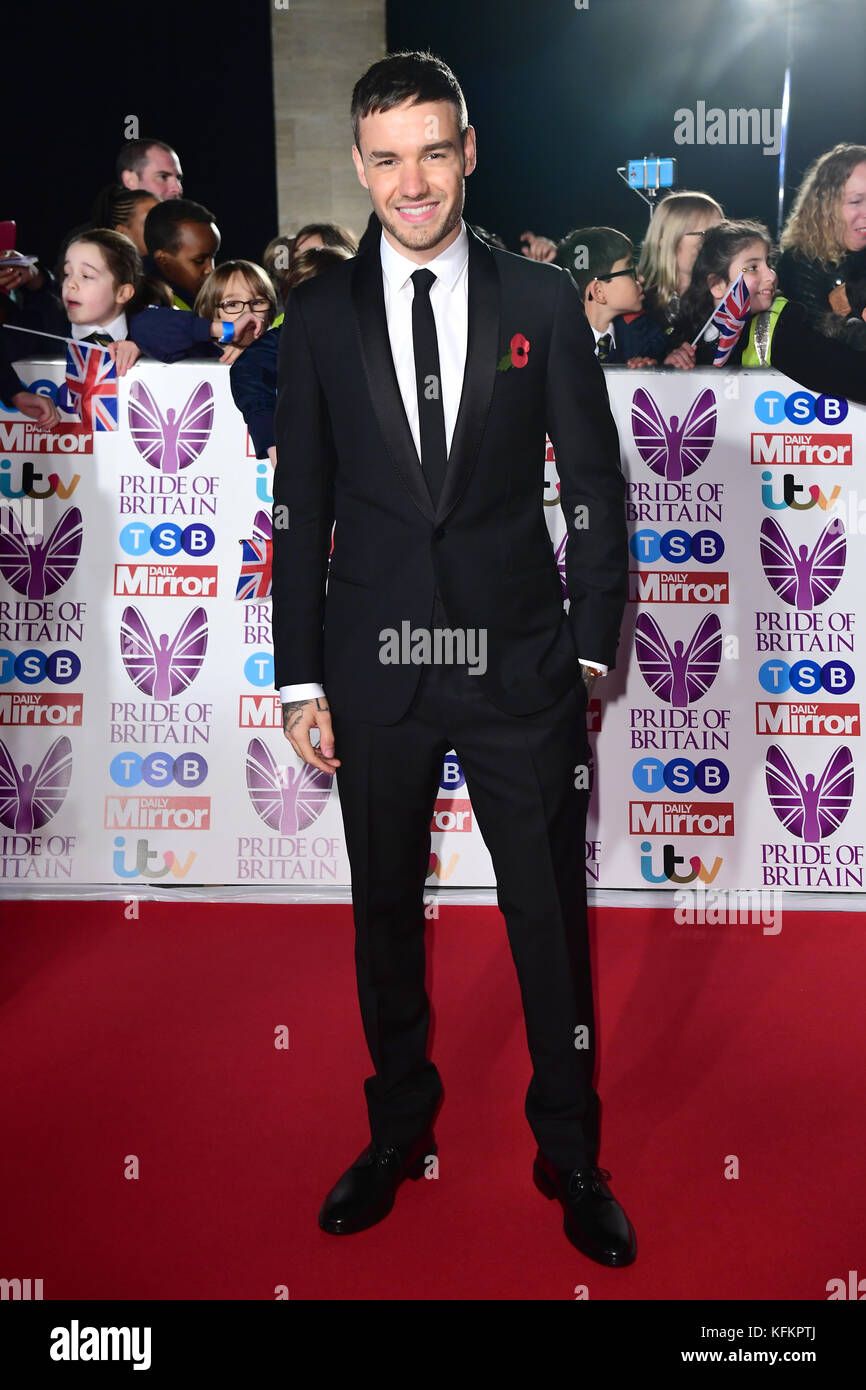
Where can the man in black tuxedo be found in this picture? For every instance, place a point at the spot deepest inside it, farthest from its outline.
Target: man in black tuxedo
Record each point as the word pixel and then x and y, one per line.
pixel 415 387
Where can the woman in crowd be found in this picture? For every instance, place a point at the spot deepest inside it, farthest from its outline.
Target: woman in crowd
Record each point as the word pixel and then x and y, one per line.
pixel 824 241
pixel 777 332
pixel 670 249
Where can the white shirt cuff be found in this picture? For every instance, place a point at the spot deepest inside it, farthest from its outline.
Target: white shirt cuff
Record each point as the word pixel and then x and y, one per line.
pixel 310 691
pixel 594 665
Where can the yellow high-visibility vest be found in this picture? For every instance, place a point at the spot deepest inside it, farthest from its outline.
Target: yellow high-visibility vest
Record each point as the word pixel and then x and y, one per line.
pixel 761 329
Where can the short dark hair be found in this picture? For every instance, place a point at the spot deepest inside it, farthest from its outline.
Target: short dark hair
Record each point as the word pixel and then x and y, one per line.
pixel 401 76
pixel 133 156
pixel 589 252
pixel 161 226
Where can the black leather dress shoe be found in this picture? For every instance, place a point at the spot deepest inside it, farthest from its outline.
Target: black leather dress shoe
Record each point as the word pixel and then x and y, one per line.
pixel 594 1220
pixel 365 1193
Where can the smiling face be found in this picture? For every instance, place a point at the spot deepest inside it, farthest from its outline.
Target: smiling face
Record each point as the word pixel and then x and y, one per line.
pixel 413 162
pixel 89 293
pixel 853 209
pixel 760 279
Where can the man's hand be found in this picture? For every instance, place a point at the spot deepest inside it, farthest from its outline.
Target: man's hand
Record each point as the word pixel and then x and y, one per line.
pixel 590 676
pixel 124 354
pixel 299 717
pixel 683 357
pixel 537 248
pixel 41 409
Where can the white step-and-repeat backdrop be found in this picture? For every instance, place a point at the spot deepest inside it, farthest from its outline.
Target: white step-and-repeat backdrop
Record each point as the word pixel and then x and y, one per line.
pixel 140 735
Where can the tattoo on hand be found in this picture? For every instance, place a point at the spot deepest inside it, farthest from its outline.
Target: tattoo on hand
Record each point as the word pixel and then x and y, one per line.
pixel 292 713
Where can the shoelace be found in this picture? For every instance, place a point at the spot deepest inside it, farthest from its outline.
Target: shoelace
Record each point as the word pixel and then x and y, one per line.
pixel 584 1178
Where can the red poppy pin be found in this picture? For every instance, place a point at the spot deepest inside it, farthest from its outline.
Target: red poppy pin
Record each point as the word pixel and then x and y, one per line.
pixel 517 354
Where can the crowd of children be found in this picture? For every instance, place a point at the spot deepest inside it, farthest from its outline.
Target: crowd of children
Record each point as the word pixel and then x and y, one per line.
pixel 143 277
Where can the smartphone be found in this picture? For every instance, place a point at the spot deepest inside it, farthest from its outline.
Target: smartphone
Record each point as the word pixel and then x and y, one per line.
pixel 7 236
pixel 652 172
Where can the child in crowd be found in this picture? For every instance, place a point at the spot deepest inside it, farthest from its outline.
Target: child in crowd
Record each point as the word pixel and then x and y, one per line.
pixel 235 288
pixel 776 333
pixel 182 239
pixel 601 262
pixel 281 252
pixel 670 250
pixel 100 301
pixel 124 209
pixel 254 378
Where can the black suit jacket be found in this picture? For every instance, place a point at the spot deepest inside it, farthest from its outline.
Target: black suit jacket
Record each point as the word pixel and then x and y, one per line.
pixel 345 454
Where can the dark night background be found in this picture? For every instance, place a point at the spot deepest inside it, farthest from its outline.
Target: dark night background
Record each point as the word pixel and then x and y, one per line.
pixel 559 97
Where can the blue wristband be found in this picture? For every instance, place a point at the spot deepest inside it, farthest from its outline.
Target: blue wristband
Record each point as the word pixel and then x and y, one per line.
pixel 228 332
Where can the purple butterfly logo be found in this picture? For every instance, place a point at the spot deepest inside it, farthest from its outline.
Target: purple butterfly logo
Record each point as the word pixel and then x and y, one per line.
pixel 286 799
pixel 806 808
pixel 162 668
pixel 32 565
pixel 803 577
pixel 29 799
pixel 171 441
pixel 674 450
pixel 560 564
pixel 263 527
pixel 679 674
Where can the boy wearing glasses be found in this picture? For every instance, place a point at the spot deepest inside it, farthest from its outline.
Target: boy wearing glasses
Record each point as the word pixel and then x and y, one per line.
pixel 602 264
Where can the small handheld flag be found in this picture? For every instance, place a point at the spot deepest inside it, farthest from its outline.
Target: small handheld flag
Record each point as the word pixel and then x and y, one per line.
pixel 91 386
pixel 728 317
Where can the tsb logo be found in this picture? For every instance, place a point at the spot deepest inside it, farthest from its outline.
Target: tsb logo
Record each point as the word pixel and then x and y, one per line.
pixel 807 677
pixel 681 775
pixel 677 547
pixel 158 770
pixel 801 408
pixel 31 667
pixel 167 539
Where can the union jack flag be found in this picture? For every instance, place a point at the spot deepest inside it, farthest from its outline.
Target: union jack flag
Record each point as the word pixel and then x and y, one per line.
pixel 254 580
pixel 729 318
pixel 91 386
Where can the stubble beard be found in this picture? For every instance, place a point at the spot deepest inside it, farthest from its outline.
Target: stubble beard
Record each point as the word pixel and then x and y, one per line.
pixel 423 238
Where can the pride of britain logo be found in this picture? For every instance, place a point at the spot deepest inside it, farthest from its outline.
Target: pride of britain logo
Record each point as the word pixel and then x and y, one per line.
pixel 671 448
pixel 287 799
pixel 174 440
pixel 803 577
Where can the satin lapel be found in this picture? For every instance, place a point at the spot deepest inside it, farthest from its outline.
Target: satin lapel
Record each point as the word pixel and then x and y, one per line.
pixel 479 376
pixel 368 301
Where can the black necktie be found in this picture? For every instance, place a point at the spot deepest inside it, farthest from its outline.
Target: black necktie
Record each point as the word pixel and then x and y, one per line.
pixel 431 416
pixel 102 339
pixel 604 347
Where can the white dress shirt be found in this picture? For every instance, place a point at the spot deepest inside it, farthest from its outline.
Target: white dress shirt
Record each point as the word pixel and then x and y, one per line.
pixel 117 329
pixel 599 333
pixel 449 300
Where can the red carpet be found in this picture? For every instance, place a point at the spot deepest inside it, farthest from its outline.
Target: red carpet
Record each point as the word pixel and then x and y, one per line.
pixel 155 1039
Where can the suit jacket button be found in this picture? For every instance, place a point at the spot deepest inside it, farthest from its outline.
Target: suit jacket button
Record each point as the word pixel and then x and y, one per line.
pixel 439 533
